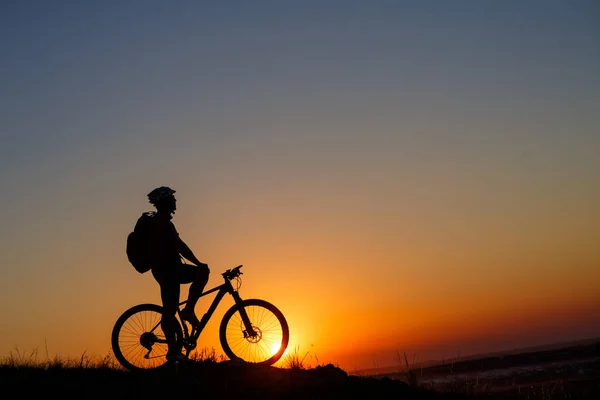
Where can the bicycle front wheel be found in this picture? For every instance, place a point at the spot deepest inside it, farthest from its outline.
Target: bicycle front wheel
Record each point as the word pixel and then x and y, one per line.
pixel 138 340
pixel 271 333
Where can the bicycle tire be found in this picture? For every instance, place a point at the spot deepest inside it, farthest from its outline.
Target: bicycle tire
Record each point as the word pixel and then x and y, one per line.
pixel 267 320
pixel 137 326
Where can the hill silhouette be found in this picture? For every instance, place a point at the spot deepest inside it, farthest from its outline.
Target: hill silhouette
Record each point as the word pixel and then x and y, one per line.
pixel 207 380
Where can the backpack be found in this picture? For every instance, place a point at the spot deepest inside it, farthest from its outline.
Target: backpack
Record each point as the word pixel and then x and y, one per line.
pixel 138 249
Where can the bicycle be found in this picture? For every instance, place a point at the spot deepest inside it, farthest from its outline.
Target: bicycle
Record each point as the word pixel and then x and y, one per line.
pixel 252 330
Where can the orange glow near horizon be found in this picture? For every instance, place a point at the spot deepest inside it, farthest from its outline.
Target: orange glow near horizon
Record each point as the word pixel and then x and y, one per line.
pixel 355 321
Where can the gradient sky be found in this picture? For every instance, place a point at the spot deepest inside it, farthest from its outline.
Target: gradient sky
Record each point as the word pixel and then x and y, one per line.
pixel 396 176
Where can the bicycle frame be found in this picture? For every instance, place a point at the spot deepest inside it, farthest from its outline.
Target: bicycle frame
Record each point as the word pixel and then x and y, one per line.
pixel 190 338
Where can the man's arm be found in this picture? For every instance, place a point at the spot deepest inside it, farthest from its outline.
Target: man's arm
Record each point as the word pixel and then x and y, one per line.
pixel 188 254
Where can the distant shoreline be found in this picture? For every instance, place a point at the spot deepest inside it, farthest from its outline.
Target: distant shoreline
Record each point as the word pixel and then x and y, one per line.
pixel 521 352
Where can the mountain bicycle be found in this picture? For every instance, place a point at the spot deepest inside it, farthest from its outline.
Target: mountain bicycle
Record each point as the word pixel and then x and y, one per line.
pixel 252 330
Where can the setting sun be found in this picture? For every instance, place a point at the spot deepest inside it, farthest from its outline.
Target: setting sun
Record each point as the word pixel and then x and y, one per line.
pixel 275 348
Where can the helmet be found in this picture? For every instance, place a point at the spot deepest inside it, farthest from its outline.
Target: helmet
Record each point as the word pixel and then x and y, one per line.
pixel 159 193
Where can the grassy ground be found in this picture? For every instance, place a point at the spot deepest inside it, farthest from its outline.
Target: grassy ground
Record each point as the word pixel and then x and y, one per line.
pixel 209 376
pixel 207 379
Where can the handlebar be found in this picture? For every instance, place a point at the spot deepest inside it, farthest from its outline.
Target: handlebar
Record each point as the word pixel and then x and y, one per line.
pixel 232 273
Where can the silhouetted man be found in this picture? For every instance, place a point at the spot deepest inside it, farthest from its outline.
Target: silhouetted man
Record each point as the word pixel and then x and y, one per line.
pixel 169 270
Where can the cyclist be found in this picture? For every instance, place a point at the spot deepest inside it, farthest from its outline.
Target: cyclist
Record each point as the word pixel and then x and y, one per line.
pixel 169 270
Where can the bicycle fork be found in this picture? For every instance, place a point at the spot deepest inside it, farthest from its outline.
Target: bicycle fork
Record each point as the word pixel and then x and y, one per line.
pixel 249 332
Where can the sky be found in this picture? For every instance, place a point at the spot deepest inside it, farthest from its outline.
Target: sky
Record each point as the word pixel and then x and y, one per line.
pixel 395 176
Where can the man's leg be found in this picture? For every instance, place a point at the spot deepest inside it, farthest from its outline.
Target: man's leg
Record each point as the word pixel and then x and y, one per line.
pixel 169 293
pixel 198 277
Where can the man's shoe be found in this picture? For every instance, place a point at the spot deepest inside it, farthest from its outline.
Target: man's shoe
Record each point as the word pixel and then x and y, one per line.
pixel 190 317
pixel 176 357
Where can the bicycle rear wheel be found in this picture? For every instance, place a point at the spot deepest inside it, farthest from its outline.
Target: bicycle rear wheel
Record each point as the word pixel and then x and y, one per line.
pixel 272 333
pixel 137 339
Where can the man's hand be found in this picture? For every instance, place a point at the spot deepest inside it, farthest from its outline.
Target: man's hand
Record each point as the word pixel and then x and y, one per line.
pixel 203 265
